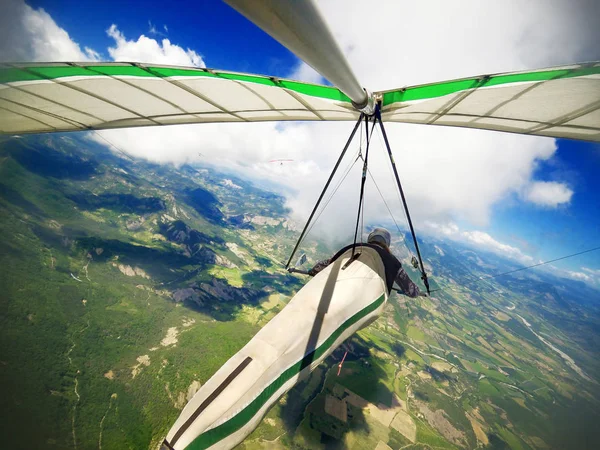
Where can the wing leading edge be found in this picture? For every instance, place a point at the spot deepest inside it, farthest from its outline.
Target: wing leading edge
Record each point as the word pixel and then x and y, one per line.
pixel 562 102
pixel 37 98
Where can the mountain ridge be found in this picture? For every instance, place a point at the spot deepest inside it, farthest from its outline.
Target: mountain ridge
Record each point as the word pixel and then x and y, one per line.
pixel 125 283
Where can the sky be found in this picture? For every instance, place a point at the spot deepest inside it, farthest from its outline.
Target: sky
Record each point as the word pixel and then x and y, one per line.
pixel 524 197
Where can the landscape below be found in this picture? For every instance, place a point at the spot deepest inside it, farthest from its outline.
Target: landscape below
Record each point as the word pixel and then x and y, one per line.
pixel 125 285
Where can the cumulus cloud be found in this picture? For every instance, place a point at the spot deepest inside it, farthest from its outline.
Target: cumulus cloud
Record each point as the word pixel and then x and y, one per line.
pixel 448 174
pixel 483 241
pixel 479 239
pixel 589 276
pixel 303 72
pixel 578 276
pixel 437 41
pixel 149 50
pixel 548 193
pixel 28 34
pixel 593 272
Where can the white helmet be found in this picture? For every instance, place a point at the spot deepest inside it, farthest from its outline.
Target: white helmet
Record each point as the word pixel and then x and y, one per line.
pixel 380 236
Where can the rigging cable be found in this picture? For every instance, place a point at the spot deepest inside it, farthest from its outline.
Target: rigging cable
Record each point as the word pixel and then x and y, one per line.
pixel 325 188
pixel 339 184
pixel 390 211
pixel 390 170
pixel 525 268
pixel 123 152
pixel 400 232
pixel 350 166
pixel 357 156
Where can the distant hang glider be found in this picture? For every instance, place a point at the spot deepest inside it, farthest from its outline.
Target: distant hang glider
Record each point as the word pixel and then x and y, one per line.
pixel 561 102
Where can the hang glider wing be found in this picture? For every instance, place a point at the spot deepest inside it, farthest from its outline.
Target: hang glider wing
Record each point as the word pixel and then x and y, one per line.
pixel 562 102
pixel 37 98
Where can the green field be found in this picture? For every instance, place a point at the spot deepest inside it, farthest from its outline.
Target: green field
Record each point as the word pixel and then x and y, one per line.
pixel 124 284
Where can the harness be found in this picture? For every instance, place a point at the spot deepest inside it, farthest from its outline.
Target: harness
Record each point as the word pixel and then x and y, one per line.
pixel 390 263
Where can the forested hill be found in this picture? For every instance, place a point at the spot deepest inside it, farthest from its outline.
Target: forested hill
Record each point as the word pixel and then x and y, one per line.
pixel 124 285
pixel 109 266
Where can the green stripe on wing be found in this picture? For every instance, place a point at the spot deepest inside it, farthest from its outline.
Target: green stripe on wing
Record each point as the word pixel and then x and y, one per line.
pixel 11 74
pixel 429 91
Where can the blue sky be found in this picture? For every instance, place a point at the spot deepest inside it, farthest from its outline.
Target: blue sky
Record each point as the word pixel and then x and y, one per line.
pixel 222 36
pixel 464 197
pixel 571 228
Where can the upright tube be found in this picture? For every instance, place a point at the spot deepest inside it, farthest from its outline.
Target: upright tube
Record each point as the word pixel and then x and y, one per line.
pixel 410 224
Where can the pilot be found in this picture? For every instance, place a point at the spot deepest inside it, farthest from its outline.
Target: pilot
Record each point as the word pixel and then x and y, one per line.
pixel 380 239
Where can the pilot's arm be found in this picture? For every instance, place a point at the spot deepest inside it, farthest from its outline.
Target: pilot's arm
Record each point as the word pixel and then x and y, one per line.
pixel 405 285
pixel 319 266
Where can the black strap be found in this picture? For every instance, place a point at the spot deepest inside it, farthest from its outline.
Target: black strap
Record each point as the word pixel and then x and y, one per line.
pixel 412 230
pixel 390 263
pixel 210 399
pixel 166 446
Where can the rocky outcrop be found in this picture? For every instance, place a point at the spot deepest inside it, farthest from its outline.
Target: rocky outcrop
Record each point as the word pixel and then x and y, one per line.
pixel 240 221
pixel 215 291
pixel 179 232
pixel 135 224
pixel 131 271
pixel 208 256
pixel 194 243
pixel 224 262
pixel 181 295
pixel 248 221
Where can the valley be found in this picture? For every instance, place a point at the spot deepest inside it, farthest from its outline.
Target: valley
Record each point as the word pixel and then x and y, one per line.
pixel 125 285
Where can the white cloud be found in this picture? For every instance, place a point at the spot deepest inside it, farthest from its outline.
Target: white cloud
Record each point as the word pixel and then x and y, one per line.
pixel 28 34
pixel 428 41
pixel 303 72
pixel 483 241
pixel 479 239
pixel 149 50
pixel 548 193
pixel 448 173
pixel 594 272
pixel 584 274
pixel 578 276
